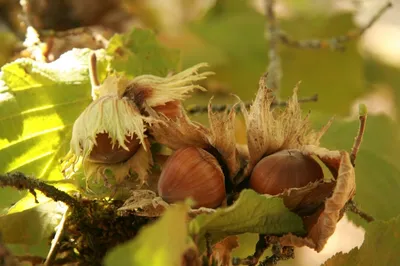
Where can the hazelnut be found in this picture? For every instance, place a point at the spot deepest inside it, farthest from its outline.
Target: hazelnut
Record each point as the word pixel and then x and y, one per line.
pixel 105 152
pixel 195 173
pixel 283 170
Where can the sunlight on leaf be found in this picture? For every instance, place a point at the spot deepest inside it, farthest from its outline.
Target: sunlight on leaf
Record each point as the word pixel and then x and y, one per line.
pixel 162 243
pixel 33 225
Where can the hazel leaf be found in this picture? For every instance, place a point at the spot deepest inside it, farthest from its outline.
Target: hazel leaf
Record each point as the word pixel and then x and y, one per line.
pixel 382 241
pixel 138 52
pixel 155 244
pixel 251 213
pixel 39 103
pixel 43 219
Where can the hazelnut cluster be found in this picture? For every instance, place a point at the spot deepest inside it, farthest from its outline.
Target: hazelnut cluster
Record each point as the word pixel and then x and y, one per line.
pixel 282 157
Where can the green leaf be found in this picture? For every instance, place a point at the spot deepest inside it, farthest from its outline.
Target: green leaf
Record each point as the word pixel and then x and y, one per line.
pixel 162 243
pixel 39 103
pixel 138 52
pixel 377 168
pixel 251 213
pixel 380 247
pixel 31 226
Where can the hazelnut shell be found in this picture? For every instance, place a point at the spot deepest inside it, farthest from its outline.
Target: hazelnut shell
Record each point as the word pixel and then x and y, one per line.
pixel 104 152
pixel 195 173
pixel 284 170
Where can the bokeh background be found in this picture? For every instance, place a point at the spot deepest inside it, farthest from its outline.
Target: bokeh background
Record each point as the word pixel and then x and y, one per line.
pixel 230 35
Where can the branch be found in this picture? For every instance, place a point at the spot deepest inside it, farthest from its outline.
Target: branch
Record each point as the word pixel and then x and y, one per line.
pixel 22 182
pixel 199 109
pixel 357 142
pixel 274 67
pixel 335 43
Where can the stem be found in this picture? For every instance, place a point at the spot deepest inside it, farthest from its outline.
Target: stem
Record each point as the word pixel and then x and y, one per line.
pixel 22 182
pixel 351 206
pixel 94 80
pixel 359 138
pixel 55 244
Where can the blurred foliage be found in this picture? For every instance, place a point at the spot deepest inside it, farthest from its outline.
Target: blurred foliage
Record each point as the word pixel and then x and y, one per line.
pixel 382 239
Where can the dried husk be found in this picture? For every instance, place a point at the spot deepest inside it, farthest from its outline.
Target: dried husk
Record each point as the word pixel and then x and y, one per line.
pixel 138 165
pixel 322 224
pixel 223 138
pixel 156 91
pixel 271 130
pixel 181 132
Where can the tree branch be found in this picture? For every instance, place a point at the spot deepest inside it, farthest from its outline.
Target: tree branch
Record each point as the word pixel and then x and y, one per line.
pixel 334 43
pixel 21 182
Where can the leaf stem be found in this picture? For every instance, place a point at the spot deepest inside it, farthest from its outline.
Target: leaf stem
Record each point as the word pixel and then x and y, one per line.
pixel 359 138
pixel 55 244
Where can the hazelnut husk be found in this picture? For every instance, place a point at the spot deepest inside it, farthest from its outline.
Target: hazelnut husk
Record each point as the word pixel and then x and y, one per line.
pixel 284 170
pixel 170 109
pixel 105 152
pixel 192 173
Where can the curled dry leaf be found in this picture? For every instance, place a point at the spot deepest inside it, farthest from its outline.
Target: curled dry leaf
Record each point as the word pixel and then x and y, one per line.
pixel 222 251
pixel 322 224
pixel 144 203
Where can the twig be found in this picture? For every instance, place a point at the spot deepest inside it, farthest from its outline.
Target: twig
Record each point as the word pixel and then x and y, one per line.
pixel 21 182
pixel 94 80
pixel 55 244
pixel 262 244
pixel 198 109
pixel 279 253
pixel 351 206
pixel 274 67
pixel 335 43
pixel 209 246
pixel 357 142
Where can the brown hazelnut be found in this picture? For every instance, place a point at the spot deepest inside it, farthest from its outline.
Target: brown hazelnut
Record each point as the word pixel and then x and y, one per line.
pixel 195 173
pixel 104 152
pixel 283 170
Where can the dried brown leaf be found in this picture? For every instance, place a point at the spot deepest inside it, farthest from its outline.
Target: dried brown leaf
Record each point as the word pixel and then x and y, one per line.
pixel 323 223
pixel 144 203
pixel 331 159
pixel 222 251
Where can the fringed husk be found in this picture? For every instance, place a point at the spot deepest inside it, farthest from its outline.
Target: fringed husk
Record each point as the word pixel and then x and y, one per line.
pixel 271 130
